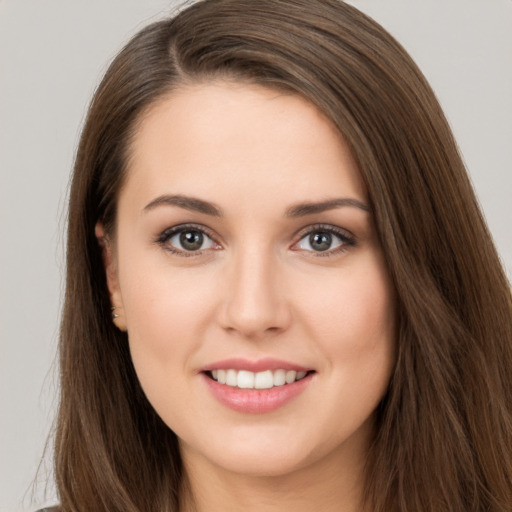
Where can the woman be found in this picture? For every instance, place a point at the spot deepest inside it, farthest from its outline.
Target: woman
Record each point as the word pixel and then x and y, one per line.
pixel 280 290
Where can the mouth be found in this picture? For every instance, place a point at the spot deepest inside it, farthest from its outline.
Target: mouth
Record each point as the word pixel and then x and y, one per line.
pixel 267 379
pixel 256 386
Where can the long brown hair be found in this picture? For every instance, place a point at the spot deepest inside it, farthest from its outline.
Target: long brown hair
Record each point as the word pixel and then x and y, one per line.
pixel 444 429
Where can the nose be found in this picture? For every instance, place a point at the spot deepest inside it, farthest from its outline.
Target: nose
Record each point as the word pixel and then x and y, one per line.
pixel 254 304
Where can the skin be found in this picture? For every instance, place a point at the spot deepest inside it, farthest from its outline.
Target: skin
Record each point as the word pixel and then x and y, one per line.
pixel 256 289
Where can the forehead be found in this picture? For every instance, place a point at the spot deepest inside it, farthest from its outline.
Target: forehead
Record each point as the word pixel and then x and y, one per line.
pixel 234 140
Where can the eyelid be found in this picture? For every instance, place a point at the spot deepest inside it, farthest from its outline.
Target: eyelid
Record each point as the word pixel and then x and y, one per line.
pixel 347 238
pixel 168 233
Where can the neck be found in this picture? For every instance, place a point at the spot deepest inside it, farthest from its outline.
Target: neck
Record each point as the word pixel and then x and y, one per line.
pixel 326 485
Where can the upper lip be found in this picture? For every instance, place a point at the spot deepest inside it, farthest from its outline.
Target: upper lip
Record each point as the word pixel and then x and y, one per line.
pixel 258 365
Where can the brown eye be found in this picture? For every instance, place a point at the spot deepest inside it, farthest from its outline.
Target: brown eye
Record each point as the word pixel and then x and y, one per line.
pixel 324 240
pixel 186 240
pixel 320 241
pixel 191 240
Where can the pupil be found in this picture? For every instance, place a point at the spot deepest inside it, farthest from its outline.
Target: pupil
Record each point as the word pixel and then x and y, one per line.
pixel 191 240
pixel 320 241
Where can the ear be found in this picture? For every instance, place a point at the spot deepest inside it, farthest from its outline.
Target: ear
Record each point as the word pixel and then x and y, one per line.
pixel 110 265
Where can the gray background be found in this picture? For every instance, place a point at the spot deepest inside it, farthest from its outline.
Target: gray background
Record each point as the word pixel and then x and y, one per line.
pixel 52 54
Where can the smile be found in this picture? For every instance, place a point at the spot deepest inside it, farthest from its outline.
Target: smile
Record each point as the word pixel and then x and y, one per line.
pixel 256 387
pixel 244 379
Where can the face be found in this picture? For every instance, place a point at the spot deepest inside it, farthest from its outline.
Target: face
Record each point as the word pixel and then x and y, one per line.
pixel 248 275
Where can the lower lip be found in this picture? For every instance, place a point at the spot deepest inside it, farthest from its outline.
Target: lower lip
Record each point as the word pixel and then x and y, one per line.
pixel 256 400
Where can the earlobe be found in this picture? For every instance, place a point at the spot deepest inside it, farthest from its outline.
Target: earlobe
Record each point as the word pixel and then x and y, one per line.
pixel 110 266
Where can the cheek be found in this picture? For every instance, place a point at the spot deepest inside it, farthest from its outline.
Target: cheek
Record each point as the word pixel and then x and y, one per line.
pixel 358 304
pixel 353 322
pixel 167 310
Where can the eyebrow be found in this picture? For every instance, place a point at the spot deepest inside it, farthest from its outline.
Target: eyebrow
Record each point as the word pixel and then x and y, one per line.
pixel 302 209
pixel 188 203
pixel 298 210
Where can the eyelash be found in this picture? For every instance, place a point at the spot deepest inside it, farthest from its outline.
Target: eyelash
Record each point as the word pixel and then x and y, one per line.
pixel 166 235
pixel 347 240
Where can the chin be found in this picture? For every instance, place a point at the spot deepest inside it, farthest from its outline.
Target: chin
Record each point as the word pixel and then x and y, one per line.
pixel 262 464
pixel 264 455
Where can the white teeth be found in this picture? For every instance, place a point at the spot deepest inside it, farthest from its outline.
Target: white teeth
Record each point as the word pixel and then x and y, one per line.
pixel 290 376
pixel 279 377
pixel 264 380
pixel 245 379
pixel 256 380
pixel 231 378
pixel 221 376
